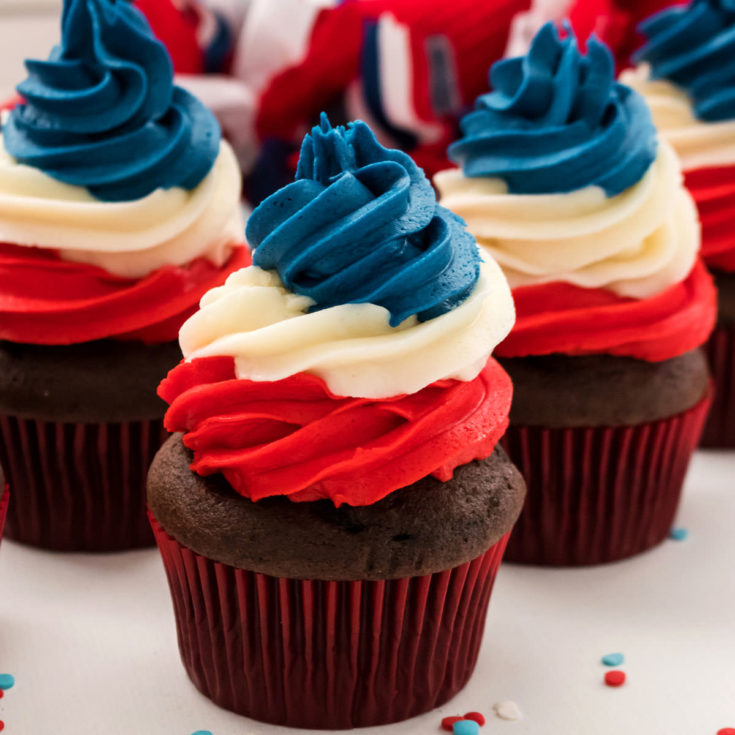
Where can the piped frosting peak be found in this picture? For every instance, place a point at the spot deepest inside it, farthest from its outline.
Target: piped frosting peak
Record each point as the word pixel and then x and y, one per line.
pixel 557 121
pixel 693 46
pixel 361 224
pixel 103 111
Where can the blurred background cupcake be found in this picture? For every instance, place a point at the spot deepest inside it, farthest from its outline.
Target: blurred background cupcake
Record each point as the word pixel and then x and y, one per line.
pixel 119 208
pixel 686 71
pixel 333 517
pixel 565 183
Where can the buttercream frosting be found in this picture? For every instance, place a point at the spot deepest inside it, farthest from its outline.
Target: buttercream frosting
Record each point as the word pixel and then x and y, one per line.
pixel 635 244
pixel 557 121
pixel 273 334
pixel 693 46
pixel 698 143
pixel 361 225
pixel 103 112
pixel 127 239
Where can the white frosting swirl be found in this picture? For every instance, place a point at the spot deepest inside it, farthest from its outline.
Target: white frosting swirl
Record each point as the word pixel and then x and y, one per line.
pixel 699 144
pixel 128 239
pixel 352 347
pixel 635 244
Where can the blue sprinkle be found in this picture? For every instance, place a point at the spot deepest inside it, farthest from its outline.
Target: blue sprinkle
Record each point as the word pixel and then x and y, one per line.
pixel 613 659
pixel 202 732
pixel 466 727
pixel 678 534
pixel 7 681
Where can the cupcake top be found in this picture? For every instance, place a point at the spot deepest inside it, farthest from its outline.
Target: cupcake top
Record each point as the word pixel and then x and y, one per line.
pixel 565 183
pixel 353 357
pixel 113 180
pixel 686 71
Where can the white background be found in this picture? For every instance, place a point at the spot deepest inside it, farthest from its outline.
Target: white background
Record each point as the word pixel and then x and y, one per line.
pixel 91 639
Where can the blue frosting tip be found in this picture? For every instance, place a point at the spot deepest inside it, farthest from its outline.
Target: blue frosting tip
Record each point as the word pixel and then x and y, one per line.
pixel 693 46
pixel 361 224
pixel 557 121
pixel 103 112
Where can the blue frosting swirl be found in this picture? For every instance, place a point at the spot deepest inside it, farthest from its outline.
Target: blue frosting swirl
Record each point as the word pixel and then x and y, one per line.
pixel 361 224
pixel 103 111
pixel 694 47
pixel 558 121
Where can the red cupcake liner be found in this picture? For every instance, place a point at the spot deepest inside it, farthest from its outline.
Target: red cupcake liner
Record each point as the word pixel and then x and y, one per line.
pixel 4 500
pixel 596 495
pixel 719 431
pixel 78 487
pixel 327 655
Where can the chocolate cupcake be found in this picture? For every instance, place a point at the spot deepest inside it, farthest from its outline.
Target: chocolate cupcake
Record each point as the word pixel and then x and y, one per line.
pixel 119 209
pixel 686 73
pixel 333 517
pixel 565 183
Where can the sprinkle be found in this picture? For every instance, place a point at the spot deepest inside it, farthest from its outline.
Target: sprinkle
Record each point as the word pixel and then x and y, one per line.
pixel 466 727
pixel 2 725
pixel 7 681
pixel 615 678
pixel 448 723
pixel 613 659
pixel 508 711
pixel 477 717
pixel 678 534
pixel 202 732
pixel 726 731
pixel 2 693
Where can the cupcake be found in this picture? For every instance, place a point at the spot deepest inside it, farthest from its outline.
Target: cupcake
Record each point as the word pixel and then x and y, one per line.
pixel 334 508
pixel 119 209
pixel 687 75
pixel 565 183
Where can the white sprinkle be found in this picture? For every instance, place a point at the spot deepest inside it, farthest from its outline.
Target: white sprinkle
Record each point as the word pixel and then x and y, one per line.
pixel 508 711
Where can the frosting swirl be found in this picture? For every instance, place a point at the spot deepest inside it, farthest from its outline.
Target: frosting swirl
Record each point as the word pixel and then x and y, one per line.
pixel 557 121
pixel 361 225
pixel 635 244
pixel 272 334
pixel 694 47
pixel 103 112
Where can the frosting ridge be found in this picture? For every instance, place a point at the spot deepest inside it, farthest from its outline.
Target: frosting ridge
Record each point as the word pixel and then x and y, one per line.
pixel 272 334
pixel 360 224
pixel 635 244
pixel 103 112
pixel 693 46
pixel 557 121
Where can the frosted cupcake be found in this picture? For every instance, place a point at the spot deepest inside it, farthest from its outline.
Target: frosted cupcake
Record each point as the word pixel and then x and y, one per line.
pixel 687 75
pixel 332 519
pixel 119 208
pixel 565 183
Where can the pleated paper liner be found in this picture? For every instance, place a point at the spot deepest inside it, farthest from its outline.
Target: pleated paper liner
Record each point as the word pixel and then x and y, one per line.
pixel 78 487
pixel 719 431
pixel 327 655
pixel 4 500
pixel 596 495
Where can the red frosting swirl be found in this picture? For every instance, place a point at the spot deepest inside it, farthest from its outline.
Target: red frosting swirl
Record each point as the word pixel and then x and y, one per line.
pixel 50 301
pixel 293 437
pixel 562 318
pixel 713 190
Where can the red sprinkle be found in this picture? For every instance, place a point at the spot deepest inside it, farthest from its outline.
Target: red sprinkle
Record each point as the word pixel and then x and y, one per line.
pixel 2 725
pixel 2 693
pixel 726 731
pixel 448 723
pixel 478 717
pixel 615 678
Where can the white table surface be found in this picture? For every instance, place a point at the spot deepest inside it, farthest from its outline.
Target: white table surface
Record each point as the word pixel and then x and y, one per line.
pixel 91 642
